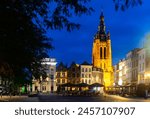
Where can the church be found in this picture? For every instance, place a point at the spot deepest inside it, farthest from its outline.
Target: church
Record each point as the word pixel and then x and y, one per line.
pixel 102 53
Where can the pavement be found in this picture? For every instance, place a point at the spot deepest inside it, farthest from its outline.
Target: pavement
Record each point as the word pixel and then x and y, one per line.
pixel 59 98
pixel 127 99
pixel 22 98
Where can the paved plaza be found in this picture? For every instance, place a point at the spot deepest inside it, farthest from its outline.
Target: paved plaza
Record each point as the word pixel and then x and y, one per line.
pixel 60 98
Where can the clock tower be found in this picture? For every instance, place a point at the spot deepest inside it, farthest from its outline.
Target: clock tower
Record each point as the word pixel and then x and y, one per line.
pixel 101 53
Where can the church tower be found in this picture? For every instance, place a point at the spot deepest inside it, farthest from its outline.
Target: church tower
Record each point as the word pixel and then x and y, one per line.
pixel 101 53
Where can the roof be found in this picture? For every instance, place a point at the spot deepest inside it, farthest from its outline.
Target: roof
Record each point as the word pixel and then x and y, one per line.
pixel 85 63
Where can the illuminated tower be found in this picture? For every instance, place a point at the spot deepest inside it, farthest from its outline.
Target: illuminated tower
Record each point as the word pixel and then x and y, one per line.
pixel 101 53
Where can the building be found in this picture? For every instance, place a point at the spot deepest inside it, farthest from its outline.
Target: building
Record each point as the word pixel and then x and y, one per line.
pixel 97 75
pixel 132 66
pixel 61 74
pixel 86 73
pixel 120 70
pixel 47 84
pixel 101 53
pixel 144 66
pixel 74 73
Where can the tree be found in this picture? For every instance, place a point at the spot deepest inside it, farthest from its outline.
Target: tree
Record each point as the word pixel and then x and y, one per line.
pixel 124 4
pixel 23 23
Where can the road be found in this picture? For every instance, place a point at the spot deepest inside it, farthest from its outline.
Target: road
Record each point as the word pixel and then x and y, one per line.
pixel 60 98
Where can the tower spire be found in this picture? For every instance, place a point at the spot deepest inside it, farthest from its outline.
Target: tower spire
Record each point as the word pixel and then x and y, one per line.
pixel 101 34
pixel 102 24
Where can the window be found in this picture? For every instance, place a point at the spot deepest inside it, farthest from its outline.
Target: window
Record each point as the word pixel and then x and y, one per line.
pixel 63 80
pixel 73 69
pixel 82 69
pixel 73 75
pixel 82 75
pixel 101 52
pixel 143 67
pixel 89 81
pixel 86 70
pixel 58 74
pixel 58 80
pixel 89 75
pixel 89 69
pixel 52 69
pixel 52 76
pixel 104 52
pixel 44 88
pixel 63 74
pixel 78 75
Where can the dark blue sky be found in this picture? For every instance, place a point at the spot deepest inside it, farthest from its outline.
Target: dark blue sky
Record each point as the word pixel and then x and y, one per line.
pixel 127 30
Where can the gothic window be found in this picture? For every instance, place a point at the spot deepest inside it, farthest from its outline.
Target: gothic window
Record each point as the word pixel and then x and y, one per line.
pixel 104 52
pixel 101 53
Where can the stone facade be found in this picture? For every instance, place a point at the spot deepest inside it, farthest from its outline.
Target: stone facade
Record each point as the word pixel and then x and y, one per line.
pixel 101 53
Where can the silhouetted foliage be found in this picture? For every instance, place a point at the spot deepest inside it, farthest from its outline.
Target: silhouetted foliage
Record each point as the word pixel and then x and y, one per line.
pixel 124 4
pixel 23 24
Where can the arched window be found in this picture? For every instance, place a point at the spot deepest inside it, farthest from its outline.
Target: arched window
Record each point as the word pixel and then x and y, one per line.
pixel 101 52
pixel 104 52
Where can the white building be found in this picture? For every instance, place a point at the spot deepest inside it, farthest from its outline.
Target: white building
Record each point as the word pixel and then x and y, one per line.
pixel 48 84
pixel 86 73
pixel 144 68
pixel 132 66
pixel 97 75
pixel 120 73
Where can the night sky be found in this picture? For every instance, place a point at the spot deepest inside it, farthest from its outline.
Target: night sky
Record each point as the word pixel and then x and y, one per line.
pixel 127 29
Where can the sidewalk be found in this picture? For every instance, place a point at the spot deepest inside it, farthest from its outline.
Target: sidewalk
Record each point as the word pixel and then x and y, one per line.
pixel 129 99
pixel 17 98
pixel 11 98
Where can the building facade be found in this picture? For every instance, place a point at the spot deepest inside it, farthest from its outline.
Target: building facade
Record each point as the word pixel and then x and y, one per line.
pixel 120 73
pixel 101 53
pixel 61 74
pixel 86 73
pixel 74 73
pixel 132 66
pixel 144 67
pixel 47 84
pixel 97 75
